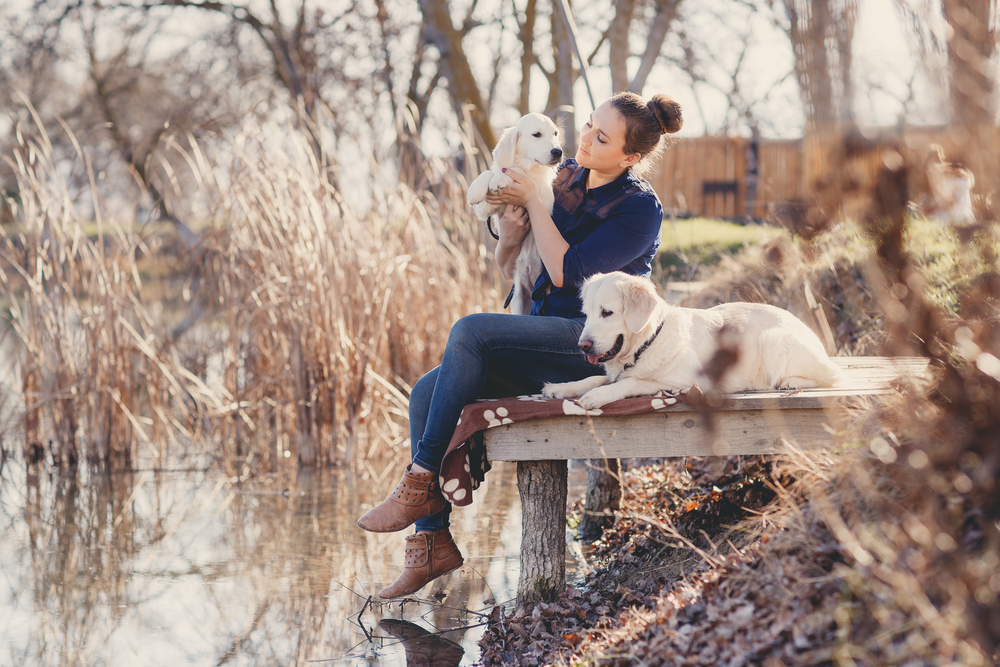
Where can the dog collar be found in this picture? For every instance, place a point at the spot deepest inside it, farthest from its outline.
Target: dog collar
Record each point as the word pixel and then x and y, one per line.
pixel 643 347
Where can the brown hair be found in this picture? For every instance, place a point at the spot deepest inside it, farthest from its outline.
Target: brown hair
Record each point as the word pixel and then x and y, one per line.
pixel 644 123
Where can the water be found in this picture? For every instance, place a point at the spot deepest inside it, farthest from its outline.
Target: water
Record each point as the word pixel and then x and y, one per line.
pixel 191 568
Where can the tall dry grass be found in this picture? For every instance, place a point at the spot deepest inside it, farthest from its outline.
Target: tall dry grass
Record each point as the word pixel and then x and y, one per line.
pixel 306 325
pixel 330 316
pixel 91 378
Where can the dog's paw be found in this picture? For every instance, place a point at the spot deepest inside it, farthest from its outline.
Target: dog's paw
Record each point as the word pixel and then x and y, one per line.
pixel 598 398
pixel 477 192
pixel 499 182
pixel 556 390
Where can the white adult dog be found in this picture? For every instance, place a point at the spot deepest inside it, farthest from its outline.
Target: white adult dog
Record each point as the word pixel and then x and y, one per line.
pixel 647 345
pixel 533 148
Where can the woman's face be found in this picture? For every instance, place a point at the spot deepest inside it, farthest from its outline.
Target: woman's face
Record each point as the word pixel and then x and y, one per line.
pixel 602 141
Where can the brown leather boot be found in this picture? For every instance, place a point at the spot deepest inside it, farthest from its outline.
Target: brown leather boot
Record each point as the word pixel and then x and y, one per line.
pixel 416 496
pixel 428 556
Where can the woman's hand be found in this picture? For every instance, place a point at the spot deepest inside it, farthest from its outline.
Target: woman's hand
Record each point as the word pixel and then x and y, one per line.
pixel 552 247
pixel 513 225
pixel 519 193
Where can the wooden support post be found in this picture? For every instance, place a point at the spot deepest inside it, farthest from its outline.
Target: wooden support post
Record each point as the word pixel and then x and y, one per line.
pixel 604 497
pixel 824 325
pixel 542 485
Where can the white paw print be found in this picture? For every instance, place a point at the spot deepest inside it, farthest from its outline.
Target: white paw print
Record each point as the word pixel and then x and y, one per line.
pixel 497 418
pixel 572 408
pixel 660 403
pixel 532 397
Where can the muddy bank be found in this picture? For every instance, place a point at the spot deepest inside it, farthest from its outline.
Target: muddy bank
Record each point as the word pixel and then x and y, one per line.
pixel 743 561
pixel 681 578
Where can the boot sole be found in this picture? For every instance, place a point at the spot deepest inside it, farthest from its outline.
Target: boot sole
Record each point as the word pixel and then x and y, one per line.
pixel 402 527
pixel 446 572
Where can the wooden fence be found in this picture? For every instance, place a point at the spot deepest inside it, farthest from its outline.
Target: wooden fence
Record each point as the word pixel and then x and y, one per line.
pixel 737 178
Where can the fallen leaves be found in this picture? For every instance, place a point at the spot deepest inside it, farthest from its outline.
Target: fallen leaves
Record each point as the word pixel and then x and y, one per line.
pixel 647 600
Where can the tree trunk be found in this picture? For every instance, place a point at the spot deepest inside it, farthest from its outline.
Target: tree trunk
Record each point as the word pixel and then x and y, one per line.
pixel 618 44
pixel 971 82
pixel 561 82
pixel 604 497
pixel 462 84
pixel 542 485
pixel 823 73
pixel 526 34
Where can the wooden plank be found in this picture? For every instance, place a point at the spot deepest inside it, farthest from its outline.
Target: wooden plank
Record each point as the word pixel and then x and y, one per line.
pixel 780 176
pixel 706 207
pixel 659 434
pixel 731 160
pixel 740 176
pixel 665 181
pixel 746 423
pixel 701 158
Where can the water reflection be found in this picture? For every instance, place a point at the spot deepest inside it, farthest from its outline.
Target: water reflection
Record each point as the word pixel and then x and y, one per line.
pixel 422 648
pixel 178 568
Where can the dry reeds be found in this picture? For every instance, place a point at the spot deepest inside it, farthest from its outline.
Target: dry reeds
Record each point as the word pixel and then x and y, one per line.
pixel 331 316
pixel 311 321
pixel 92 381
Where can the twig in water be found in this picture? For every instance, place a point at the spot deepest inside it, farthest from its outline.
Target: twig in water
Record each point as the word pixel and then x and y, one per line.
pixel 368 635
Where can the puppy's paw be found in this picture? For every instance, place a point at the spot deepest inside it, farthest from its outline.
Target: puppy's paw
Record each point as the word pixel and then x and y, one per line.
pixel 557 390
pixel 477 192
pixel 499 182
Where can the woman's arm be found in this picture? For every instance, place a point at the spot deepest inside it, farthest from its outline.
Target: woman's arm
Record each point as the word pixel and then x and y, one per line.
pixel 552 246
pixel 512 227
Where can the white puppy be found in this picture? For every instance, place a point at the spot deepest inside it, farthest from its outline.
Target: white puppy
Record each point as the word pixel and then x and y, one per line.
pixel 647 345
pixel 532 148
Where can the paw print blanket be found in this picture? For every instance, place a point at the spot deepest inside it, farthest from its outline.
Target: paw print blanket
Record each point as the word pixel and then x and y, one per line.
pixel 465 462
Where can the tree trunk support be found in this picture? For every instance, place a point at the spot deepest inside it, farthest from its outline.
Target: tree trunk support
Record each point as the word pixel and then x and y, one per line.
pixel 604 497
pixel 542 485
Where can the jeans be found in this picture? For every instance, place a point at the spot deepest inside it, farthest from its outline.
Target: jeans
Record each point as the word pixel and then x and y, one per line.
pixel 489 355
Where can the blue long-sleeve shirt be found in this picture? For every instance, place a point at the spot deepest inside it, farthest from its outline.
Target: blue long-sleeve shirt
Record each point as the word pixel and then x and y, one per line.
pixel 614 227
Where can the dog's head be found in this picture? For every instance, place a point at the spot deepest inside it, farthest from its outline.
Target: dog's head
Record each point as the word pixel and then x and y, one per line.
pixel 534 141
pixel 618 307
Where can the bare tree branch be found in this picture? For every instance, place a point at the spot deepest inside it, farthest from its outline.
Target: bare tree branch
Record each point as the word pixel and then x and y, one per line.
pixel 666 12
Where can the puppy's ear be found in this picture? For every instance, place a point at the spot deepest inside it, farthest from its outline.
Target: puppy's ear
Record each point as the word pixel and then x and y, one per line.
pixel 503 154
pixel 638 303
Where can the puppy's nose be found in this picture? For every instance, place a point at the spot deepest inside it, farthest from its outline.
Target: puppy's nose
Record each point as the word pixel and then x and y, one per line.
pixel 557 153
pixel 585 345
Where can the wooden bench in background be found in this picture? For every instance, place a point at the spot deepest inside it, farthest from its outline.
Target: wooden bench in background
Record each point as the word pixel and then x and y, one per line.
pixel 748 423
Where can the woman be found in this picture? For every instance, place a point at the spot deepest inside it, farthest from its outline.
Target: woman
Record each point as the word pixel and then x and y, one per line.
pixel 605 218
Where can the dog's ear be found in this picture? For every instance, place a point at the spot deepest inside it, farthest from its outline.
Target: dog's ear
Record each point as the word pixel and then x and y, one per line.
pixel 584 288
pixel 503 154
pixel 638 303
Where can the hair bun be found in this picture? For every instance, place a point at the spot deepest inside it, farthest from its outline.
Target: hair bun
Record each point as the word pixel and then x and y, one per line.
pixel 668 112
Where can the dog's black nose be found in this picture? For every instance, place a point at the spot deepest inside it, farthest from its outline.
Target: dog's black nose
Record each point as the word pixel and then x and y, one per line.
pixel 557 153
pixel 585 346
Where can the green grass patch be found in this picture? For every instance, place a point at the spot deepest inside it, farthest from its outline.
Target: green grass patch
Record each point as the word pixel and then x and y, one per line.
pixel 689 245
pixel 950 262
